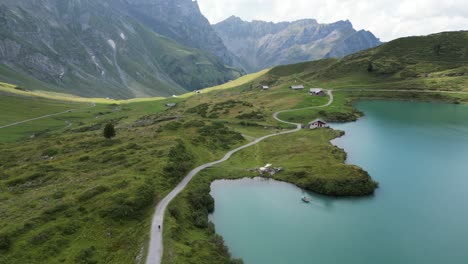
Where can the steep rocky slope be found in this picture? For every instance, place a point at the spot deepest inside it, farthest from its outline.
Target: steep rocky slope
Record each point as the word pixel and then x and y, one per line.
pixel 260 45
pixel 106 48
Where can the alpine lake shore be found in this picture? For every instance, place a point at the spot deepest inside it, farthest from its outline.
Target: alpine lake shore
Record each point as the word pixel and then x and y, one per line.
pixel 68 195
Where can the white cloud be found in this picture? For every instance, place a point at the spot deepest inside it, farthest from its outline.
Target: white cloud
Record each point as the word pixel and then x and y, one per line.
pixel 385 18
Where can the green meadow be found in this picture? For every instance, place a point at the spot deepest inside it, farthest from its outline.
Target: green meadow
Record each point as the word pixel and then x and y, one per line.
pixel 68 195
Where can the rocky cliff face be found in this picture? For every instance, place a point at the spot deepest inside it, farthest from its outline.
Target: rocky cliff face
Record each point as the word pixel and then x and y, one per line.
pixel 180 20
pixel 260 45
pixel 105 48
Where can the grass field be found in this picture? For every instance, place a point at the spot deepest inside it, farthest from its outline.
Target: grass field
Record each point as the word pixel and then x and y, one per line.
pixel 67 195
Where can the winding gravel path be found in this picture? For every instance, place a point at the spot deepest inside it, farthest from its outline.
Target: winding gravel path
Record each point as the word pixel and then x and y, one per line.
pixel 45 116
pixel 155 250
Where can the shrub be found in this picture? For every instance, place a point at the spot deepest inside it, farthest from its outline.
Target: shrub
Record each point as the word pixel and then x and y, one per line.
pixel 194 123
pixel 50 152
pixel 133 146
pixel 217 135
pixel 201 109
pixel 84 158
pixel 339 116
pixel 85 256
pixel 58 195
pixel 174 212
pixel 200 219
pixel 40 238
pixel 370 67
pixel 70 229
pixel 202 204
pixel 249 124
pixel 180 161
pixel 5 242
pixel 23 180
pixel 173 126
pixel 56 209
pixel 109 131
pixel 125 206
pixel 254 115
pixel 88 194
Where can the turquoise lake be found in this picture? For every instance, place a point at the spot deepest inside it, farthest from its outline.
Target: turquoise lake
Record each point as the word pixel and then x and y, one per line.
pixel 418 152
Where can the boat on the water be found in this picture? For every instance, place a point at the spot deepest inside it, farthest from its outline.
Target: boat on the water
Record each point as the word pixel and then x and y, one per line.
pixel 305 199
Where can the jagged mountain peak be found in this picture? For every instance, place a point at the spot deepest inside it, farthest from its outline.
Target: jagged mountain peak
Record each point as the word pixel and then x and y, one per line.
pixel 111 48
pixel 260 44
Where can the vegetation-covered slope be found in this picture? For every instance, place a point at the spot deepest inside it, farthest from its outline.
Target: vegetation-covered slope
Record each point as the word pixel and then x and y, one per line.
pixel 436 62
pixel 95 49
pixel 68 195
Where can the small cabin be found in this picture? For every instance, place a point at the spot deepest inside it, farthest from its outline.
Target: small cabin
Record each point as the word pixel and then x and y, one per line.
pixel 171 105
pixel 265 87
pixel 297 87
pixel 317 92
pixel 317 124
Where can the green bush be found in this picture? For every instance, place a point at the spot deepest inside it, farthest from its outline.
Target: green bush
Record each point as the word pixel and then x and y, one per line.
pixel 70 228
pixel 58 195
pixel 88 194
pixel 180 161
pixel 50 152
pixel 200 219
pixel 84 158
pixel 254 115
pixel 194 123
pixel 130 206
pixel 174 212
pixel 41 238
pixel 202 204
pixel 173 126
pixel 56 209
pixel 109 131
pixel 85 256
pixel 217 135
pixel 23 180
pixel 5 242
pixel 249 124
pixel 201 109
pixel 340 116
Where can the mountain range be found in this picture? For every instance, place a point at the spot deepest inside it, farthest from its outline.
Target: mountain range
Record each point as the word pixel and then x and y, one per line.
pixel 111 48
pixel 259 45
pixel 140 48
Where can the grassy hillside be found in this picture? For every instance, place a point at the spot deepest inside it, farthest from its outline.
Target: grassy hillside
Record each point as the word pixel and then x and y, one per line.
pixel 435 62
pixel 70 196
pixel 96 49
pixel 67 195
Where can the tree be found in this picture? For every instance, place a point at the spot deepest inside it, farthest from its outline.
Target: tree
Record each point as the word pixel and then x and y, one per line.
pixel 437 49
pixel 370 67
pixel 109 131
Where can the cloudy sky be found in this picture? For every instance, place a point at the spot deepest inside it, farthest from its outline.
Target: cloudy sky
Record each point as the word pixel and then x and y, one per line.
pixel 387 19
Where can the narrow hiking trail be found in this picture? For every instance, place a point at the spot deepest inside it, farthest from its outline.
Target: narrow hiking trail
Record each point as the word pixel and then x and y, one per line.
pixel 45 116
pixel 155 250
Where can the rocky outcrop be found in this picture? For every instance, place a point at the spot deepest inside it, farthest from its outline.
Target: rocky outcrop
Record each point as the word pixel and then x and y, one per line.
pixel 180 20
pixel 105 48
pixel 260 44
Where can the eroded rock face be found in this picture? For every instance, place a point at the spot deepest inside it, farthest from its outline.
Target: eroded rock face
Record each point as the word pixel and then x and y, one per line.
pixel 182 21
pixel 9 49
pixel 260 45
pixel 111 48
